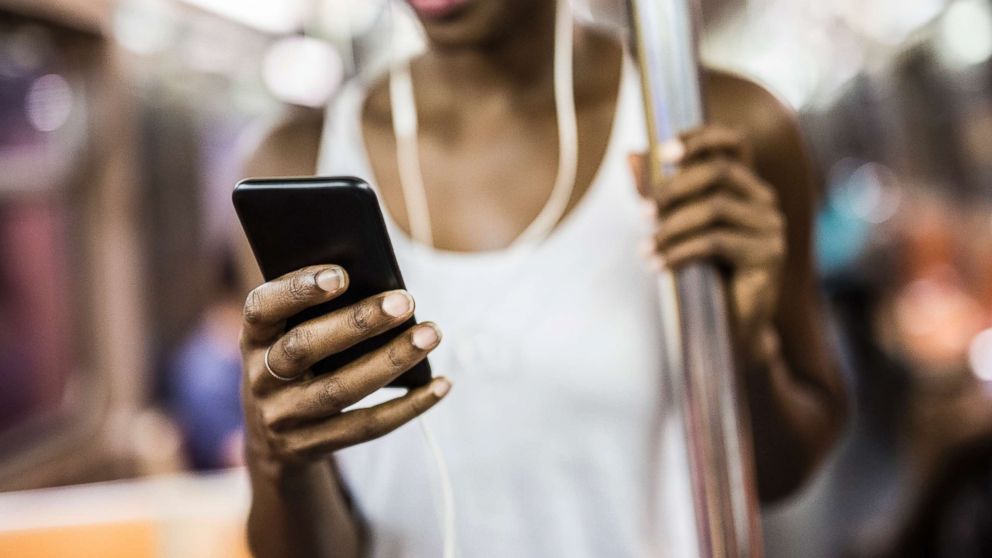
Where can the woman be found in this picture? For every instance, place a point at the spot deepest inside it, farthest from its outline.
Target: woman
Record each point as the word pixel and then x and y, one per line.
pixel 552 434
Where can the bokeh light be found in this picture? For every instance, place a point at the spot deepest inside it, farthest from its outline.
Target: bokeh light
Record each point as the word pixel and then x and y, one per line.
pixel 49 103
pixel 966 33
pixel 289 70
pixel 980 355
pixel 145 26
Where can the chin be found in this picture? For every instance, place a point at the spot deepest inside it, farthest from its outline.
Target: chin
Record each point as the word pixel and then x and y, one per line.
pixel 473 23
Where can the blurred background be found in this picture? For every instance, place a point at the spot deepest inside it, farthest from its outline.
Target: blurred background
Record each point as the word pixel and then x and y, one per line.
pixel 123 128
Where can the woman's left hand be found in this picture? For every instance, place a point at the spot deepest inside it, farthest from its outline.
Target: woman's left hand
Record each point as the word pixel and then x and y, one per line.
pixel 715 207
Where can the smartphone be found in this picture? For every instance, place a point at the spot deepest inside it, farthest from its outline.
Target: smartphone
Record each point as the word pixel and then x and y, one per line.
pixel 296 222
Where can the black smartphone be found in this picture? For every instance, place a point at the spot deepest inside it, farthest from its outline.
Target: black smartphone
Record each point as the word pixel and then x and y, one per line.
pixel 296 222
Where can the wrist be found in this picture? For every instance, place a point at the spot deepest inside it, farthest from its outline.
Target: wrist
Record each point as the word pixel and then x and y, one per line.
pixel 269 467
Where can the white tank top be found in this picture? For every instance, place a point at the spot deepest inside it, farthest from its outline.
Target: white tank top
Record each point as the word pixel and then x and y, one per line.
pixel 555 432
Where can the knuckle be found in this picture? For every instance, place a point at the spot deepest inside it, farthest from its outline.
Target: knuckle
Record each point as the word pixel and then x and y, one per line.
pixel 270 419
pixel 298 447
pixel 332 394
pixel 301 287
pixel 270 437
pixel 360 317
pixel 256 387
pixel 420 405
pixel 397 357
pixel 296 346
pixel 779 246
pixel 371 428
pixel 253 313
pixel 766 190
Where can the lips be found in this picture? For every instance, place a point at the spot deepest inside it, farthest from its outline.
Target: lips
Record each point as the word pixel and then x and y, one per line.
pixel 437 8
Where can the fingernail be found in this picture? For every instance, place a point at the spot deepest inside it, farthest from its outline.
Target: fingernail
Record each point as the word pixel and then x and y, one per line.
pixel 671 152
pixel 397 304
pixel 425 336
pixel 658 263
pixel 440 387
pixel 330 279
pixel 649 209
pixel 646 248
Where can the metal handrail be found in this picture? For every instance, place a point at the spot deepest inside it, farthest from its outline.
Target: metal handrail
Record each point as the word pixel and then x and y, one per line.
pixel 702 384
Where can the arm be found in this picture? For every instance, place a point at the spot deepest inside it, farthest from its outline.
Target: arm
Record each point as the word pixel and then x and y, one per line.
pixel 294 424
pixel 299 510
pixel 296 509
pixel 744 196
pixel 795 391
pixel 299 506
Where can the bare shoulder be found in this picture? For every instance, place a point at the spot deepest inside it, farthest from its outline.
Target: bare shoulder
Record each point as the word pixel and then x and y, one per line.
pixel 738 102
pixel 288 148
pixel 735 97
pixel 781 155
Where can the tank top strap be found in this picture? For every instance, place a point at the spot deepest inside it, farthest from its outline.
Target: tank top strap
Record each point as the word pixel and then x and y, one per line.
pixel 342 152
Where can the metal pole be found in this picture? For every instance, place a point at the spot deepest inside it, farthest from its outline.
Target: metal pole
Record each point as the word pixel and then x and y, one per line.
pixel 700 365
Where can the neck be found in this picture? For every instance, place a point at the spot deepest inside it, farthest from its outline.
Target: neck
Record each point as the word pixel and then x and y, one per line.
pixel 518 63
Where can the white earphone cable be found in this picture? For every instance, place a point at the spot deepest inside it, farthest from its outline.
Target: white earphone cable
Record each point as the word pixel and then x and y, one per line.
pixel 568 135
pixel 447 507
pixel 404 111
pixel 405 126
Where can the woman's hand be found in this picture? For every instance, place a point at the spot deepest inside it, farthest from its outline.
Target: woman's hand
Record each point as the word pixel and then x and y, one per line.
pixel 297 420
pixel 716 207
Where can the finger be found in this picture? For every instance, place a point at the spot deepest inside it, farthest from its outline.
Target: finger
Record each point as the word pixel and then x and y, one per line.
pixel 638 167
pixel 700 178
pixel 671 152
pixel 714 141
pixel 362 425
pixel 742 179
pixel 733 248
pixel 269 304
pixel 712 211
pixel 307 343
pixel 330 394
pixel 668 153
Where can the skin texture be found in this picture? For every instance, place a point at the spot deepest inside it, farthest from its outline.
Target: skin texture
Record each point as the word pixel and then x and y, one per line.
pixel 488 146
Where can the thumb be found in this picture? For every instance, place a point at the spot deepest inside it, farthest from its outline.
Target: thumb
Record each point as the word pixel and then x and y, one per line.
pixel 671 152
pixel 638 167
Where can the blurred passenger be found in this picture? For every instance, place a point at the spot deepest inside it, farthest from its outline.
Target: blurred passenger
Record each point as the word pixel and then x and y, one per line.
pixel 205 379
pixel 910 306
pixel 941 304
pixel 552 436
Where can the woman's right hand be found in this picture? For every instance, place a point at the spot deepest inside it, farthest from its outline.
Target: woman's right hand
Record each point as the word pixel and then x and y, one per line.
pixel 302 420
